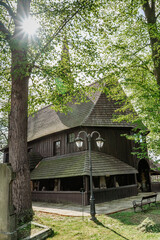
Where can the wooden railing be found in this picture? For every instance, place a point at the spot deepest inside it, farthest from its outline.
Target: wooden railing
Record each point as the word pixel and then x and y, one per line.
pixel 60 197
pixel 101 195
pixel 104 195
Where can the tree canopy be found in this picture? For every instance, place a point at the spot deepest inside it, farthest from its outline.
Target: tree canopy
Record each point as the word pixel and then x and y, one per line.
pixel 33 67
pixel 130 50
pixel 109 41
pixel 57 20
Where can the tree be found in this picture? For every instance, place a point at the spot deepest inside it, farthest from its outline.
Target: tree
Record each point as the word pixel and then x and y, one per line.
pixel 130 43
pixel 115 43
pixel 34 59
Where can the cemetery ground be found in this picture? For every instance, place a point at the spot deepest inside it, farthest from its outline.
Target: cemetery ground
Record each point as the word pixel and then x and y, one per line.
pixel 121 225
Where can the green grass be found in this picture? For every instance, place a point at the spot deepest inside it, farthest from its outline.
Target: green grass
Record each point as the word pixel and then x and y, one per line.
pixel 123 225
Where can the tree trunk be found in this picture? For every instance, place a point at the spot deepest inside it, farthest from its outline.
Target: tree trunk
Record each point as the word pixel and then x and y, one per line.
pixel 18 135
pixel 154 36
pixel 21 190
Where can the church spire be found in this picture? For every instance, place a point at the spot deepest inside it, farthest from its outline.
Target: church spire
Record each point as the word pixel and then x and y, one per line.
pixel 65 52
pixel 64 80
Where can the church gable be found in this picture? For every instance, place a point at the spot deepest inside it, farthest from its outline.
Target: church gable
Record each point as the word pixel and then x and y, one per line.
pixel 102 114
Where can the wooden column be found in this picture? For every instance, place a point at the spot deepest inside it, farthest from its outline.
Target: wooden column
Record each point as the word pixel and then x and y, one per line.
pixel 57 185
pixel 86 183
pixel 135 176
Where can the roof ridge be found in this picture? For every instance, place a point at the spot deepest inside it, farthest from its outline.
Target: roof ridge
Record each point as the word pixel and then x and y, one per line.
pixel 92 108
pixel 51 104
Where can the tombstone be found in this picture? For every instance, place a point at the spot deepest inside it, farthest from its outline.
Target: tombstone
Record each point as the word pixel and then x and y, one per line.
pixel 7 213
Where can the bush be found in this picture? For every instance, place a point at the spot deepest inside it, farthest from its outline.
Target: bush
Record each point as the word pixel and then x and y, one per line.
pixel 148 225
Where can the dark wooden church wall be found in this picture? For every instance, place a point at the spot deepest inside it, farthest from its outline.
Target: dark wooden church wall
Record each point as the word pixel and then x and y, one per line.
pixel 115 144
pixel 45 145
pixel 118 145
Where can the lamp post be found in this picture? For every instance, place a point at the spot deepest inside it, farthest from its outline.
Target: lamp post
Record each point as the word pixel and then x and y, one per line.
pixel 99 141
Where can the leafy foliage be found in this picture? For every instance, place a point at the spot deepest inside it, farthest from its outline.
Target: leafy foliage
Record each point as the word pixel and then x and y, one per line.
pixel 54 78
pixel 35 71
pixel 130 42
pixel 107 41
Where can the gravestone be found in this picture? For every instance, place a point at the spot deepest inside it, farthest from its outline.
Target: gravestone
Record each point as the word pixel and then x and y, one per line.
pixel 7 214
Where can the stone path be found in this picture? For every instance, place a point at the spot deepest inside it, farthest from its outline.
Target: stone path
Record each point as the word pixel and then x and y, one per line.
pixel 77 210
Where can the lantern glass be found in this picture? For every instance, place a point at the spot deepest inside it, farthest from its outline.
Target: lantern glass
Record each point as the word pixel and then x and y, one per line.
pixel 79 142
pixel 100 142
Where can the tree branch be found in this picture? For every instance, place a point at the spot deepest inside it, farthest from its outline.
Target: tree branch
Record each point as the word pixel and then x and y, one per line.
pixel 64 23
pixel 8 8
pixel 3 134
pixel 153 5
pixel 145 4
pixel 154 40
pixel 5 31
pixel 54 35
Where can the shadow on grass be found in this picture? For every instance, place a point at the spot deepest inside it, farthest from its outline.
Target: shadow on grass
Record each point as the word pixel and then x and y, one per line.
pixel 101 224
pixel 132 218
pixel 129 217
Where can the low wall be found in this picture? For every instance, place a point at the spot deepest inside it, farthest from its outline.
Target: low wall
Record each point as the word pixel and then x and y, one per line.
pixel 101 195
pixel 60 196
pixel 104 195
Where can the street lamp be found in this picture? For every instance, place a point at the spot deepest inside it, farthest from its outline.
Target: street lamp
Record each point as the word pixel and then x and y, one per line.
pixel 79 142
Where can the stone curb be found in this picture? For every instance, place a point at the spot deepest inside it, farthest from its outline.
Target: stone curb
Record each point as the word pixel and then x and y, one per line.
pixel 46 232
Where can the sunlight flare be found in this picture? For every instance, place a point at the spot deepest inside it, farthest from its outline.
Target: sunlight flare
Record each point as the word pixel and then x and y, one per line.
pixel 30 26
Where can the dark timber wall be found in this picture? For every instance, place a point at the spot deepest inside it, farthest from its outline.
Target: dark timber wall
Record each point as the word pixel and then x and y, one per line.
pixel 101 195
pixel 115 144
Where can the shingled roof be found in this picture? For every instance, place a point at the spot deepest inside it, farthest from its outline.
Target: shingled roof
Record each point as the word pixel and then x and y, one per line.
pixel 97 111
pixel 77 164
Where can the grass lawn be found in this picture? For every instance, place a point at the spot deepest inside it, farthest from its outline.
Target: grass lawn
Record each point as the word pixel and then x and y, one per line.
pixel 123 225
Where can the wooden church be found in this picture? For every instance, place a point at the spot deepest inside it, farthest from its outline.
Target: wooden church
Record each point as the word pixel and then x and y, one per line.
pixel 59 169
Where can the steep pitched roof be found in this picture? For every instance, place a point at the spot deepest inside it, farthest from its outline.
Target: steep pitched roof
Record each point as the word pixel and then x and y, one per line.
pixel 96 111
pixel 77 164
pixel 102 112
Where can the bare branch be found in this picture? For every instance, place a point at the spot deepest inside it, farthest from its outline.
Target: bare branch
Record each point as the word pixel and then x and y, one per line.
pixel 137 57
pixel 64 23
pixel 55 34
pixel 5 31
pixel 8 8
pixel 146 45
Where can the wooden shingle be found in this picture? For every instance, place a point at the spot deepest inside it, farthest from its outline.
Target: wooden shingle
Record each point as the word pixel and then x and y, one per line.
pixel 77 164
pixel 97 111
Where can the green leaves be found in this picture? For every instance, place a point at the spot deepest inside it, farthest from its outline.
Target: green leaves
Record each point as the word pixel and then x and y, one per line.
pixel 130 59
pixel 107 41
